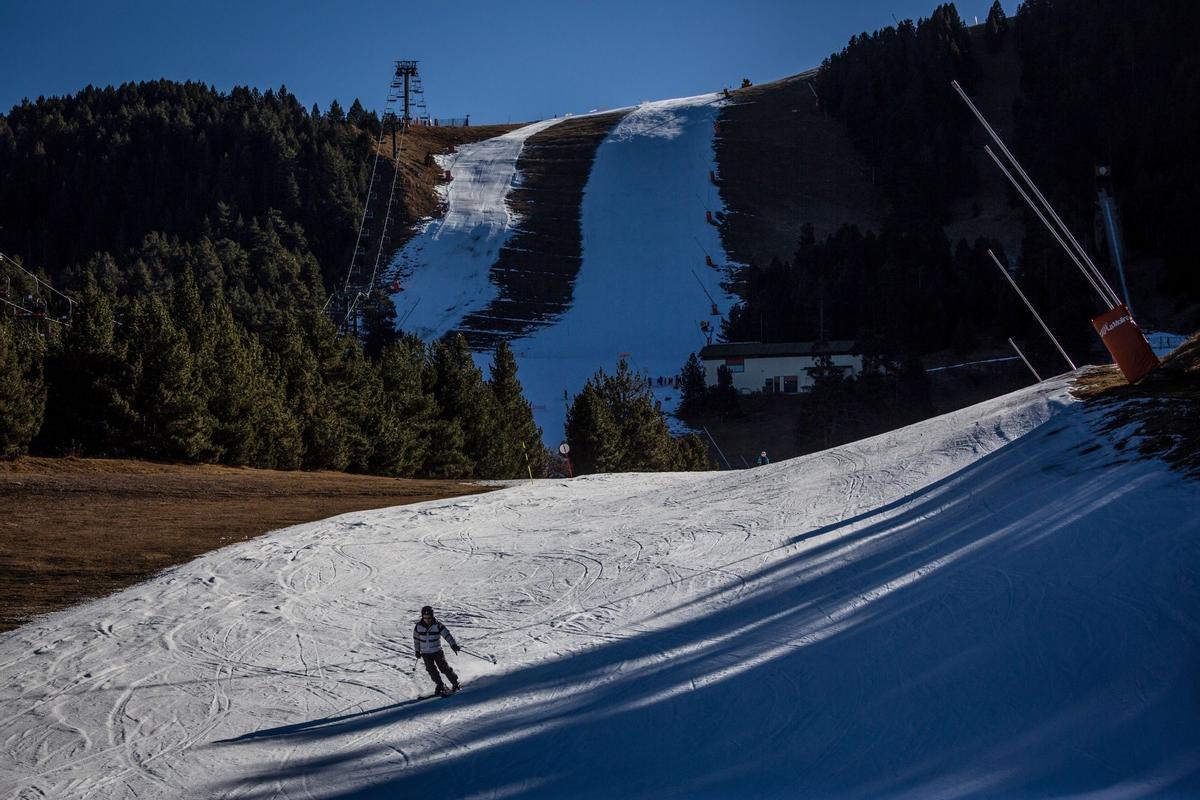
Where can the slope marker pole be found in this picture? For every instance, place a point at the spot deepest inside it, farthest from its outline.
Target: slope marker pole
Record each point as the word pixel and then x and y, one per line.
pixel 489 659
pixel 1033 311
pixel 714 443
pixel 1026 360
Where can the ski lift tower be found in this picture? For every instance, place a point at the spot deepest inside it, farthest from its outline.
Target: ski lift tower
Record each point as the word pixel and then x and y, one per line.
pixel 406 89
pixel 345 306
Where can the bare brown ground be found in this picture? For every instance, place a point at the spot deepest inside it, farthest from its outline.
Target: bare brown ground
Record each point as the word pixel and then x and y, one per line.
pixel 72 529
pixel 1166 414
pixel 536 270
pixel 783 163
pixel 419 173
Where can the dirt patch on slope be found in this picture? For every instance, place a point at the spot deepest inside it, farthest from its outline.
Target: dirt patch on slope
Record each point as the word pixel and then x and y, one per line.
pixel 783 163
pixel 419 173
pixel 536 270
pixel 412 152
pixel 1163 407
pixel 73 529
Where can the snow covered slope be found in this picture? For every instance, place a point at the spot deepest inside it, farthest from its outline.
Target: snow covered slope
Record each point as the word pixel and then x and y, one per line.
pixel 993 603
pixel 445 268
pixel 644 284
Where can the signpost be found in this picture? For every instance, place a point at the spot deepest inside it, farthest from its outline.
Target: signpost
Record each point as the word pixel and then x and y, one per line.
pixel 565 449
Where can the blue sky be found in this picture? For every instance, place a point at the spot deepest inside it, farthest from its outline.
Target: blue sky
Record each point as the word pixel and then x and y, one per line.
pixel 497 61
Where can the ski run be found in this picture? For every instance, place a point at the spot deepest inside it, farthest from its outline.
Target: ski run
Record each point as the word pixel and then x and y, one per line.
pixel 644 283
pixel 998 602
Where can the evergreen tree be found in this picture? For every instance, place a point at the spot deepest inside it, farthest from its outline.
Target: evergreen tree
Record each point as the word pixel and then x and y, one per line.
pixel 280 440
pixel 379 324
pixel 401 367
pixel 227 377
pixel 890 89
pixel 358 395
pixel 89 408
pixel 519 450
pixel 323 432
pixel 693 454
pixel 188 311
pixel 22 390
pixel 253 425
pixel 592 433
pixel 646 443
pixel 463 397
pixel 174 419
pixel 692 387
pixel 615 425
pixel 446 457
pixel 996 27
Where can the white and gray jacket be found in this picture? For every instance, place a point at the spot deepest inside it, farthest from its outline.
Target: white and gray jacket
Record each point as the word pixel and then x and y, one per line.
pixel 427 638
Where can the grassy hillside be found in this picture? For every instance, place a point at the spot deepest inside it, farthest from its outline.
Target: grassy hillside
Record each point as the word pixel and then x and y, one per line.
pixel 80 528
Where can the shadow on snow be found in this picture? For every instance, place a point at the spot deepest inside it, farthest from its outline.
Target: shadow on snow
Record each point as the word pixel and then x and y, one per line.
pixel 1016 629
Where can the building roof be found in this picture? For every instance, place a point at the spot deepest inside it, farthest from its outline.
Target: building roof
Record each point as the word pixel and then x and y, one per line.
pixel 775 349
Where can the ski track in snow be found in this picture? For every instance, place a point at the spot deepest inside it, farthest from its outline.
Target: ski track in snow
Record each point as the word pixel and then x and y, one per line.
pixel 978 605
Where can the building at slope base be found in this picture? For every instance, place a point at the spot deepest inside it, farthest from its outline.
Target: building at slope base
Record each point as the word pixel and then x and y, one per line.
pixel 776 367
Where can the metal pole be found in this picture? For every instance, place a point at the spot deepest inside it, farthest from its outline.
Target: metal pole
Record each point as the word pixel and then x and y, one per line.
pixel 489 659
pixel 1103 297
pixel 1114 243
pixel 1111 297
pixel 714 444
pixel 406 111
pixel 1029 305
pixel 1026 360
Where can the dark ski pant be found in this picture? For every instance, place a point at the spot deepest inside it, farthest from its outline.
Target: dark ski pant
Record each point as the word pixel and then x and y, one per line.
pixel 436 661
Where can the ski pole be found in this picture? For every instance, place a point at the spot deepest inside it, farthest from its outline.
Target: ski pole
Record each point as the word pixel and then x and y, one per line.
pixel 489 659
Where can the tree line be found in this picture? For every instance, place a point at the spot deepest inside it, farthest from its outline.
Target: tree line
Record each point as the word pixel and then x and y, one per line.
pixel 1102 84
pixel 891 88
pixel 172 376
pixel 199 233
pixel 100 170
pixel 903 292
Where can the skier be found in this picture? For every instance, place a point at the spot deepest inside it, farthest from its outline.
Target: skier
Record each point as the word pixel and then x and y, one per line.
pixel 427 635
pixel 762 459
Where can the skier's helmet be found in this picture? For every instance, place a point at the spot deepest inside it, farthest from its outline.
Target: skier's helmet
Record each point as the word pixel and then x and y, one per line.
pixel 426 611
